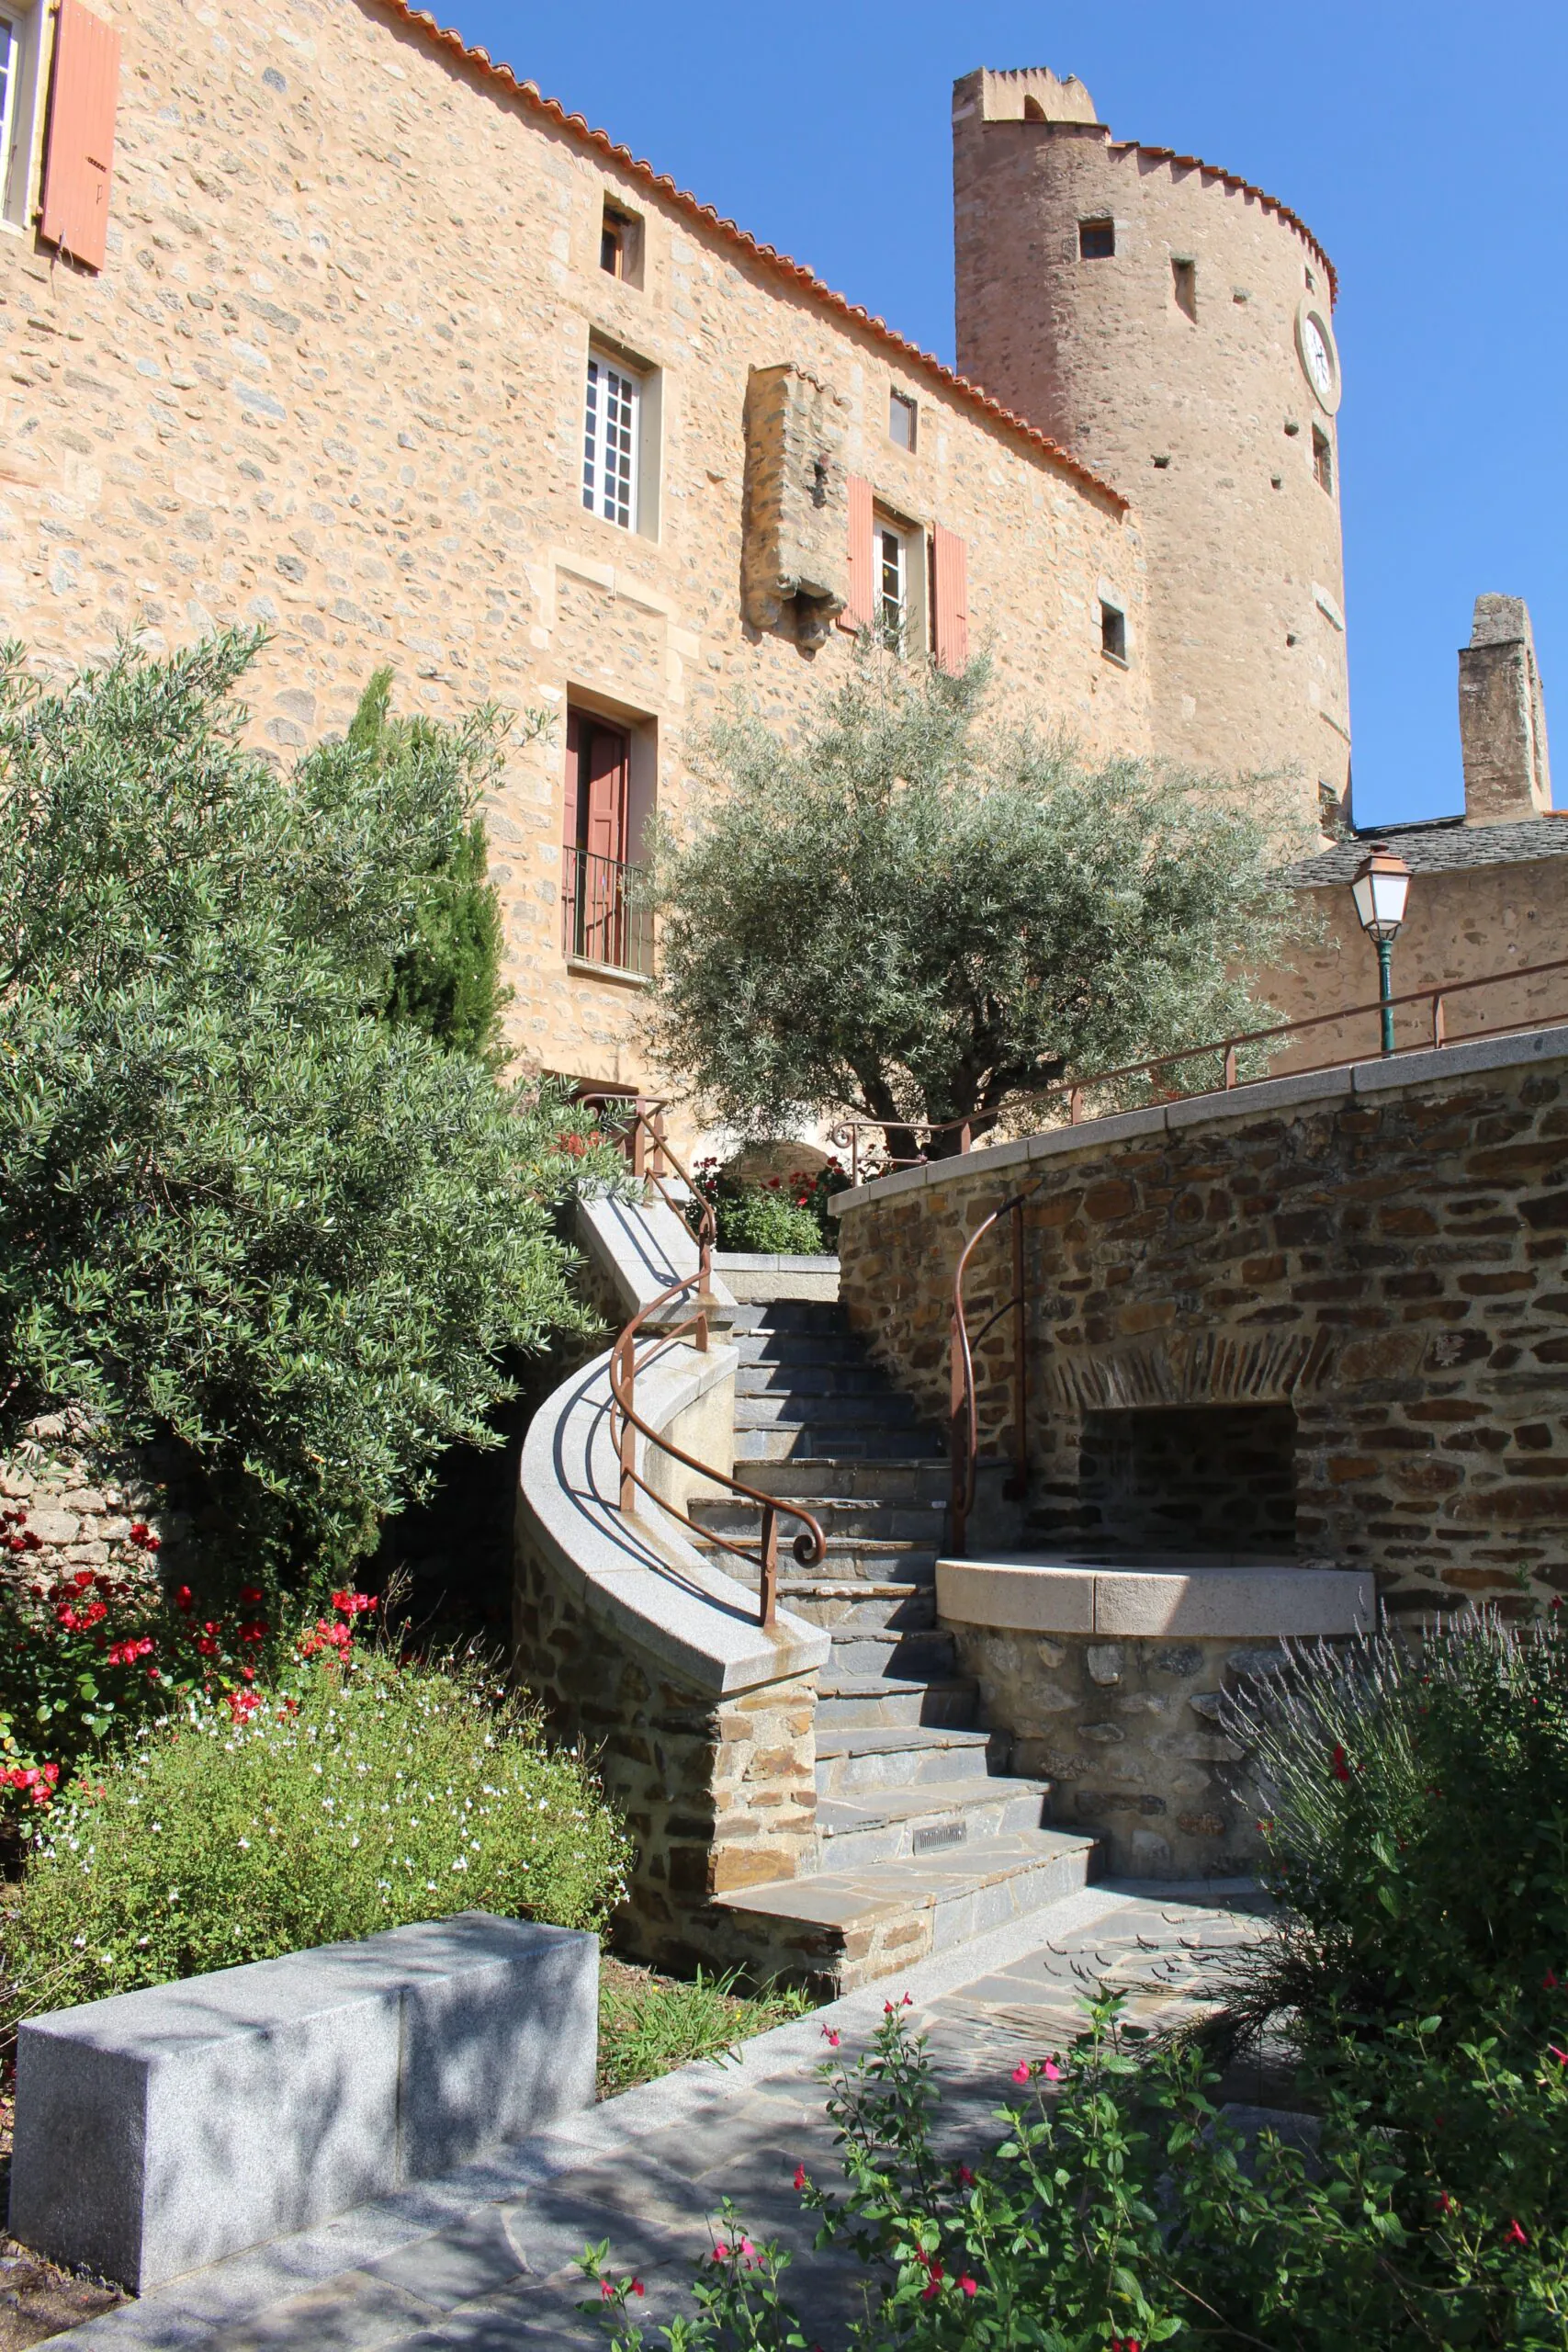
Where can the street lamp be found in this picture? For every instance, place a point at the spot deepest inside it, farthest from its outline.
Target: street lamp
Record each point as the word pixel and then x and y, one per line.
pixel 1379 889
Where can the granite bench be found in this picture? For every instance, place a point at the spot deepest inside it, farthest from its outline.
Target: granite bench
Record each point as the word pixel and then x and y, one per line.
pixel 159 2131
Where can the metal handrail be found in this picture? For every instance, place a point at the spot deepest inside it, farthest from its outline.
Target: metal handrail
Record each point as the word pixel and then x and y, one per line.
pixel 965 1421
pixel 648 1152
pixel 605 918
pixel 847 1134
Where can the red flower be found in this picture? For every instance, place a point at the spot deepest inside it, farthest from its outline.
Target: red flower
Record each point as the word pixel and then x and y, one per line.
pixel 256 1633
pixel 207 1646
pixel 966 2177
pixel 969 2286
pixel 1514 2235
pixel 1445 2202
pixel 606 2290
pixel 1561 2055
pixel 154 1544
pixel 800 2175
pixel 15 1543
pixel 152 1674
pixel 638 2287
pixel 251 1596
pixel 140 1531
pixel 31 1543
pixel 185 1600
pixel 243 1704
pixel 1340 1768
pixel 1020 2072
pixel 1548 1982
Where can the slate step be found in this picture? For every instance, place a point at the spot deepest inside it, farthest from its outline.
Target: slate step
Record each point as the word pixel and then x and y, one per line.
pixel 914 1478
pixel 847 1516
pixel 846 1927
pixel 856 1602
pixel 847 1556
pixel 898 1654
pixel 853 1378
pixel 806 1438
pixel 797 1347
pixel 852 1759
pixel 791 1315
pixel 896 1824
pixel 882 1703
pixel 838 1415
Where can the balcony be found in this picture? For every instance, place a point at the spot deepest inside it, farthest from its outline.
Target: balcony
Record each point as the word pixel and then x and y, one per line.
pixel 605 918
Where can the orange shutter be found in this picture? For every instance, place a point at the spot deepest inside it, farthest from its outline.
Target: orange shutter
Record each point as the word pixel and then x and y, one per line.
pixel 860 610
pixel 950 570
pixel 79 154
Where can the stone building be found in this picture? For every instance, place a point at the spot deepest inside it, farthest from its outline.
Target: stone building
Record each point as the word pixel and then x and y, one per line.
pixel 317 319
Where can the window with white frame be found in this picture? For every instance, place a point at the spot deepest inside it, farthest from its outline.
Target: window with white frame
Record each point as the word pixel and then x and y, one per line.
pixel 890 552
pixel 10 74
pixel 611 425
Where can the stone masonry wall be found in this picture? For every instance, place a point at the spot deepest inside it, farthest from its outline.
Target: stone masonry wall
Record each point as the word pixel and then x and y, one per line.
pixel 718 1793
pixel 1394 1265
pixel 331 379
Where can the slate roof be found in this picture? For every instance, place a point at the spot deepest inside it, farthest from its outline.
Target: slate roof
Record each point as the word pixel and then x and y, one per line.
pixel 1441 845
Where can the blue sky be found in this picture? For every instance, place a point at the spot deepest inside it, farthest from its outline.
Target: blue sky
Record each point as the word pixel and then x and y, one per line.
pixel 1424 144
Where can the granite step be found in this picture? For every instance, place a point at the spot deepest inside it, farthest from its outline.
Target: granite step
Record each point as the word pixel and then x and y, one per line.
pixel 838 1416
pixel 913 1479
pixel 846 1927
pixel 766 1346
pixel 804 1438
pixel 847 1556
pixel 882 1703
pixel 849 1378
pixel 897 1824
pixel 823 1316
pixel 855 1602
pixel 852 1760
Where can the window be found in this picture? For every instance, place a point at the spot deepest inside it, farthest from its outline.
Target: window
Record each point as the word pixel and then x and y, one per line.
pixel 1184 285
pixel 891 553
pixel 901 420
pixel 10 69
pixel 1097 239
pixel 620 244
pixel 612 419
pixel 1113 631
pixel 1322 459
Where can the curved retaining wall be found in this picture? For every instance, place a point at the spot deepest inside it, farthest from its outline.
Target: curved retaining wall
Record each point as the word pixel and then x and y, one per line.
pixel 703 1725
pixel 1381 1247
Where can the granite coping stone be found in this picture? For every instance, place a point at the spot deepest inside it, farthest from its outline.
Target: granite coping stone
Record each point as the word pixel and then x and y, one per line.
pixel 1054 1593
pixel 161 2130
pixel 1256 1098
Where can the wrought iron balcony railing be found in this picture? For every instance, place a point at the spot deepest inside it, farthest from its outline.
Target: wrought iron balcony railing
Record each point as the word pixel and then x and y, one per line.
pixel 605 917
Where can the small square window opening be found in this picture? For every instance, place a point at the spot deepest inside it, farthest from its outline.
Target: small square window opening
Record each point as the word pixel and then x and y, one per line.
pixel 1322 459
pixel 1097 239
pixel 612 417
pixel 1184 285
pixel 901 420
pixel 1113 631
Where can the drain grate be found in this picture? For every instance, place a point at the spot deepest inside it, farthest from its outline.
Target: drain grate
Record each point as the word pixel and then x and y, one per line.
pixel 937 1834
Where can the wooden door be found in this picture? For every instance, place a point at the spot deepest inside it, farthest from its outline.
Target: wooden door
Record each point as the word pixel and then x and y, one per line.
pixel 598 770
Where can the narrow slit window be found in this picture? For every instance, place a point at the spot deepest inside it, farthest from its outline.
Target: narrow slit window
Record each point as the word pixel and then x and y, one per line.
pixel 620 245
pixel 1322 459
pixel 1097 239
pixel 611 419
pixel 1113 631
pixel 1184 285
pixel 901 420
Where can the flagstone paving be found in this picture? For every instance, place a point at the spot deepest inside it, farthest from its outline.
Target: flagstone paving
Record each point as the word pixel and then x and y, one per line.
pixel 484 2260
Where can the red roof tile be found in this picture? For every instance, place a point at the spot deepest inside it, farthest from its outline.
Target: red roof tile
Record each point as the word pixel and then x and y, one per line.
pixel 803 281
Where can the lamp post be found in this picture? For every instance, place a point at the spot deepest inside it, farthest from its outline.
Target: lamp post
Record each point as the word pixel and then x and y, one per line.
pixel 1379 889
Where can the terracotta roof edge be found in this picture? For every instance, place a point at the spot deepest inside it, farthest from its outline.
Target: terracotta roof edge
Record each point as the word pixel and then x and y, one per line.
pixel 1246 187
pixel 806 279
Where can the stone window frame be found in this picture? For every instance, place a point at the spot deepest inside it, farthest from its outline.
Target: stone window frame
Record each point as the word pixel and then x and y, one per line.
pixel 621 243
pixel 912 633
pixel 902 405
pixel 1115 638
pixel 1323 466
pixel 21 113
pixel 1097 237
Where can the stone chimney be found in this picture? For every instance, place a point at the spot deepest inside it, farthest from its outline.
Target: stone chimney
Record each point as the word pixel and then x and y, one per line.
pixel 1502 718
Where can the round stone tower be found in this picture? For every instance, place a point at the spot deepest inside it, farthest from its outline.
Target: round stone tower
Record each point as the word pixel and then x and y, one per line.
pixel 1171 326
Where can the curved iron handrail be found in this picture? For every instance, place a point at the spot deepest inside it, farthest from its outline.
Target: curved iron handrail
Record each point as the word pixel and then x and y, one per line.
pixel 966 1420
pixel 648 1152
pixel 847 1134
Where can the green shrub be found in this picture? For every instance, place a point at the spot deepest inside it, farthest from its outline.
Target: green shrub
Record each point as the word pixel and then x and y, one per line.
pixel 1115 2210
pixel 378 1795
pixel 237 1204
pixel 1418 1831
pixel 780 1219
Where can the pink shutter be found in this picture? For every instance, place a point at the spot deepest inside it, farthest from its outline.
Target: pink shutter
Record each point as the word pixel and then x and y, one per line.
pixel 860 610
pixel 949 569
pixel 79 153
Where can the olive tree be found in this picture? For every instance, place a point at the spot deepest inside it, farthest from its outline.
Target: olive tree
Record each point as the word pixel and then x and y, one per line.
pixel 913 913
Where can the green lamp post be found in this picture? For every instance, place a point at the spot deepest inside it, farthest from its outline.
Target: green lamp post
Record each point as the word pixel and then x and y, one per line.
pixel 1379 889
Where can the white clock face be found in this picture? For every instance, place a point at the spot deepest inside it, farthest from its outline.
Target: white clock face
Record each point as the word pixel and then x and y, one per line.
pixel 1320 367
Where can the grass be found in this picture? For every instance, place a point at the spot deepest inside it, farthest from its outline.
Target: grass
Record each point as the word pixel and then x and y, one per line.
pixel 650 2024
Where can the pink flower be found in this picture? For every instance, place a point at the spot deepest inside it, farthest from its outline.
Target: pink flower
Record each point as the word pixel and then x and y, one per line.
pixel 829 2037
pixel 1052 2071
pixel 1561 2055
pixel 1514 2235
pixel 638 2287
pixel 185 1600
pixel 969 2286
pixel 1020 2072
pixel 606 2290
pixel 721 2254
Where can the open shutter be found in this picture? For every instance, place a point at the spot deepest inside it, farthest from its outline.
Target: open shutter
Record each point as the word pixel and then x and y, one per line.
pixel 949 575
pixel 79 151
pixel 605 816
pixel 860 610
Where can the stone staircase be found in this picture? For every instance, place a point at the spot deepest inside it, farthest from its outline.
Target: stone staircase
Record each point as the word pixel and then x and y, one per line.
pixel 923 1840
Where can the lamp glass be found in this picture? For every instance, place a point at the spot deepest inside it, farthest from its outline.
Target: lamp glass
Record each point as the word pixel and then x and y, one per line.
pixel 1380 899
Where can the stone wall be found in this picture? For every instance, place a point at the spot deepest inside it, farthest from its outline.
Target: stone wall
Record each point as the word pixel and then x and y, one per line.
pixel 718 1792
pixel 331 379
pixel 1131 1736
pixel 1384 1250
pixel 69 1503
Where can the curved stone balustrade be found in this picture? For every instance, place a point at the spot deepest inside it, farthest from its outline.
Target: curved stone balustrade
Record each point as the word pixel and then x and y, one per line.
pixel 1113 1595
pixel 643 1649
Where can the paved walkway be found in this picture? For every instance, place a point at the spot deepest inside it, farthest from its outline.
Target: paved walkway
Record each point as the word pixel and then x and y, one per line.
pixel 484 2260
